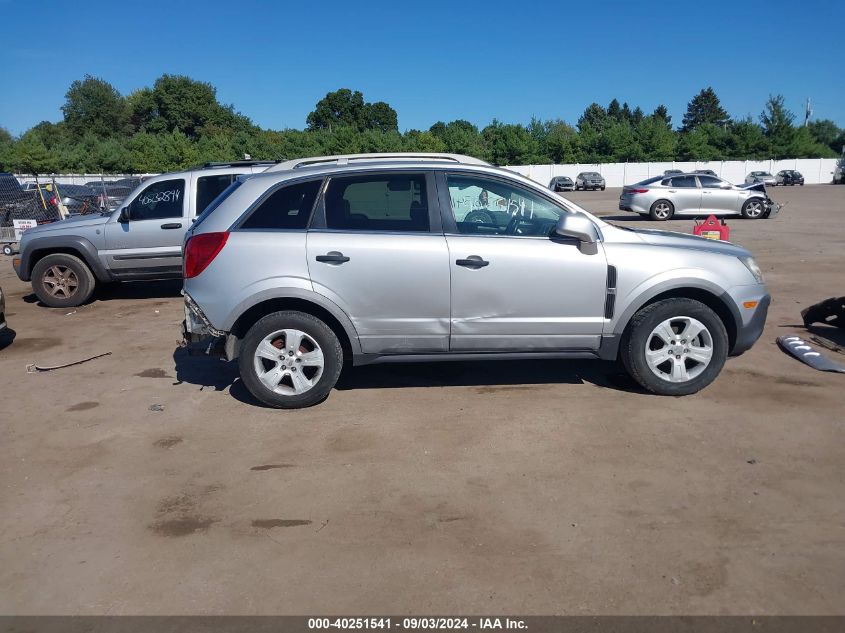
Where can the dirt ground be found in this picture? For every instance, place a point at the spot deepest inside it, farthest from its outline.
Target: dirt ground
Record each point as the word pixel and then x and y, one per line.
pixel 149 482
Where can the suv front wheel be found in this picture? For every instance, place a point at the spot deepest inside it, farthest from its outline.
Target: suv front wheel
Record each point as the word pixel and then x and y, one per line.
pixel 675 347
pixel 290 360
pixel 61 280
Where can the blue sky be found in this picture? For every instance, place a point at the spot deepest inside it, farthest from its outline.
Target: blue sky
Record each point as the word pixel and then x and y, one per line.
pixel 431 60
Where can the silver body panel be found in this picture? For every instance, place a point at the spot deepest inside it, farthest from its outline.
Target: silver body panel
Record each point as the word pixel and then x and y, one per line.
pixel 403 295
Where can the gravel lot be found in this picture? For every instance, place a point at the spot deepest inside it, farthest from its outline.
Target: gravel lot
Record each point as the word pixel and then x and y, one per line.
pixel 149 482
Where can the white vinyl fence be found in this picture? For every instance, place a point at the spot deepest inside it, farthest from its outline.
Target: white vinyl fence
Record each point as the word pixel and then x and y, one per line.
pixel 815 170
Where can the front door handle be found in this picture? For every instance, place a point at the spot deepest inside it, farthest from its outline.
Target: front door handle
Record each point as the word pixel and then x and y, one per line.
pixel 332 257
pixel 172 225
pixel 473 261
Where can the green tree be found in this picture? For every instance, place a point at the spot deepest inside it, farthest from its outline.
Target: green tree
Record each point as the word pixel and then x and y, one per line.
pixel 460 137
pixel 704 108
pixel 7 150
pixel 826 132
pixel 508 144
pixel 777 126
pixel 94 105
pixel 345 108
pixel 561 143
pixel 657 141
pixel 380 116
pixel 747 141
pixel 614 110
pixel 661 112
pixel 595 116
pixel 31 155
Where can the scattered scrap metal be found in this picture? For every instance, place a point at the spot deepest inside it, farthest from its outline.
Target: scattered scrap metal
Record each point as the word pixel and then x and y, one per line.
pixel 803 351
pixel 829 312
pixel 33 368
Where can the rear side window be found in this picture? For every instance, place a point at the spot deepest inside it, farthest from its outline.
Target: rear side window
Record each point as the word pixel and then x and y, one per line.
pixel 286 208
pixel 381 202
pixel 684 182
pixel 209 187
pixel 709 182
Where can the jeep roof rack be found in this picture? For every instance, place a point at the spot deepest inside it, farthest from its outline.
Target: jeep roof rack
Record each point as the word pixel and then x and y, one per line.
pixel 345 159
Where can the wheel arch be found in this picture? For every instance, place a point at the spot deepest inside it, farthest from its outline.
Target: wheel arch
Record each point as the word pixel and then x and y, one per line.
pixel 712 298
pixel 78 247
pixel 334 317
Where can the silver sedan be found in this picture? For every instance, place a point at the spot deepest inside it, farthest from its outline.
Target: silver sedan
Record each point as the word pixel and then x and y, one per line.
pixel 662 198
pixel 761 176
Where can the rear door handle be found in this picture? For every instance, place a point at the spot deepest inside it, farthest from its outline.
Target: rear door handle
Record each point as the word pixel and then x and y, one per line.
pixel 473 261
pixel 172 225
pixel 332 257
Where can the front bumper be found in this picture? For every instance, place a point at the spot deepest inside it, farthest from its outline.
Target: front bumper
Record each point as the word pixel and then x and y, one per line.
pixel 751 329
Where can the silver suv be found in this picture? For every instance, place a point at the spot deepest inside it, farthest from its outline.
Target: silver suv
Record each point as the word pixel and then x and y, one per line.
pixel 141 240
pixel 365 259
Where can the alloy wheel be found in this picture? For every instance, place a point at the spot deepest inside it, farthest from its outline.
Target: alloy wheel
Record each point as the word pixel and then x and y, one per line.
pixel 60 281
pixel 679 349
pixel 662 210
pixel 754 209
pixel 289 362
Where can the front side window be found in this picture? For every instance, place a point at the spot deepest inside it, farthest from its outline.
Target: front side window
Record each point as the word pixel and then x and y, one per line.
pixel 209 187
pixel 378 202
pixel 484 206
pixel 289 207
pixel 161 200
pixel 684 182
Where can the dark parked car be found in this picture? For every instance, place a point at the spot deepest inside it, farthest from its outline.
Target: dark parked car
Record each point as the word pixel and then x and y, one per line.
pixel 110 193
pixel 789 177
pixel 708 172
pixel 562 183
pixel 672 172
pixel 77 199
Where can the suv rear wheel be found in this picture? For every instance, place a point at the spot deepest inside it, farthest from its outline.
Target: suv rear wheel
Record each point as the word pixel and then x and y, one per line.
pixel 62 281
pixel 290 360
pixel 675 347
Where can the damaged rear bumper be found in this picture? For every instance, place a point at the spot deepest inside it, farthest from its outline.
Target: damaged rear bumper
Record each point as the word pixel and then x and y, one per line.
pixel 199 337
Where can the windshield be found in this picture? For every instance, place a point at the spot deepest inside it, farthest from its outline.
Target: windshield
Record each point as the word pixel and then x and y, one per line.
pixel 218 200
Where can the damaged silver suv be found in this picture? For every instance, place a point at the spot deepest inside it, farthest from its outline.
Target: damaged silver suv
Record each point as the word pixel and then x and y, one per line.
pixel 400 258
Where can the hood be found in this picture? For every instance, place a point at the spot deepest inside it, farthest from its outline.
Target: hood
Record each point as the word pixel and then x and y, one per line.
pixel 754 186
pixel 71 223
pixel 684 240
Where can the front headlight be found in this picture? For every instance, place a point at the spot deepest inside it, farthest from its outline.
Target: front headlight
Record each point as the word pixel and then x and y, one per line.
pixel 753 268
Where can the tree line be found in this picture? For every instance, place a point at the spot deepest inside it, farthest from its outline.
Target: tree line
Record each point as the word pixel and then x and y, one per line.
pixel 179 122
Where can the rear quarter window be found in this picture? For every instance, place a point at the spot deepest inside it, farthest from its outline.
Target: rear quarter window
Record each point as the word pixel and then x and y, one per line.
pixel 288 207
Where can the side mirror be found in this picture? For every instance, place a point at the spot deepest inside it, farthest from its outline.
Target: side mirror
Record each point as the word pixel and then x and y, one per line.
pixel 577 226
pixel 124 215
pixel 725 185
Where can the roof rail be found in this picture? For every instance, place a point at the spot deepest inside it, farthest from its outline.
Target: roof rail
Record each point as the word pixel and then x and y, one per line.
pixel 234 163
pixel 345 159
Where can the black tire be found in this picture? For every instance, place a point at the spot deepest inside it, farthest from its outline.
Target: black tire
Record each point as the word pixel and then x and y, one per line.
pixel 62 270
pixel 602 188
pixel 753 209
pixel 632 350
pixel 656 211
pixel 8 250
pixel 479 217
pixel 314 328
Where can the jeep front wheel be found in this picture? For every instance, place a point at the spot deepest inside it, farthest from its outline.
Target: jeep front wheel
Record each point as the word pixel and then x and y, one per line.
pixel 61 280
pixel 290 360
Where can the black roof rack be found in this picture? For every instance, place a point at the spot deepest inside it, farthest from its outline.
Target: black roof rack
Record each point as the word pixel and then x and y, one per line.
pixel 234 163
